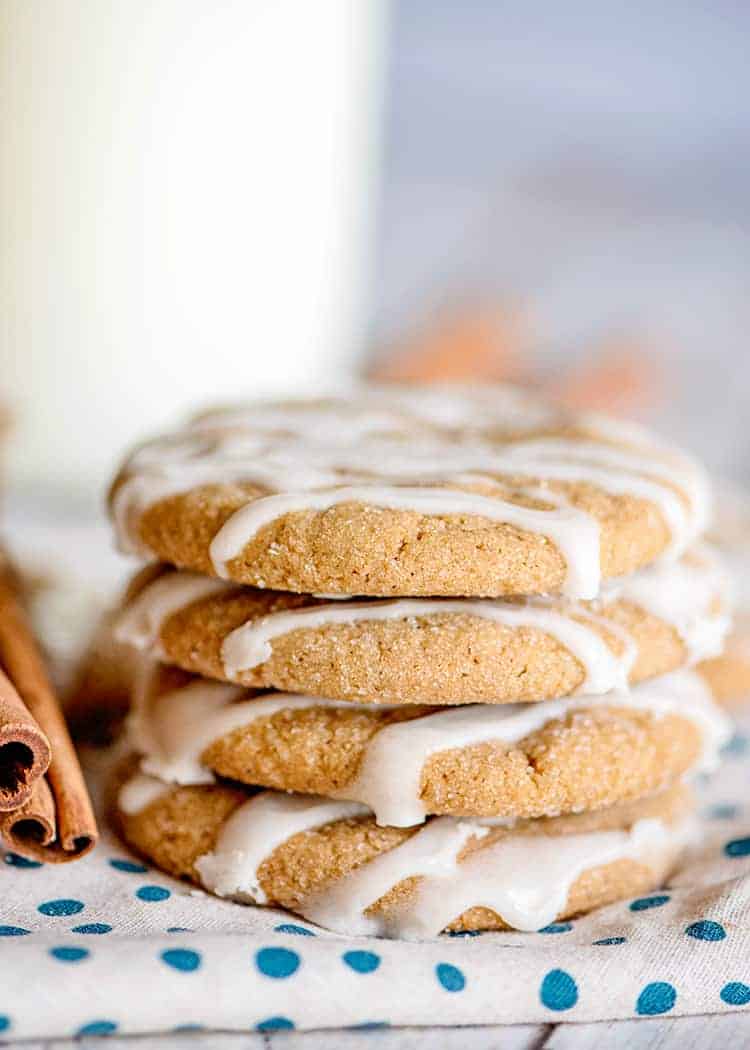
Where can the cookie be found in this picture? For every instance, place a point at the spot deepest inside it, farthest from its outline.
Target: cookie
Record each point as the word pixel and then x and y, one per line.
pixel 331 863
pixel 405 762
pixel 434 651
pixel 378 497
pixel 729 672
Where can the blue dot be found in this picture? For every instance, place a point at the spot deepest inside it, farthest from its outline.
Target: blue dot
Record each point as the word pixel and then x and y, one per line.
pixel 291 927
pixel 464 933
pixel 558 991
pixel 69 954
pixel 723 811
pixel 93 927
pixel 611 940
pixel 130 866
pixel 4 1023
pixel 13 931
pixel 152 893
pixel 178 929
pixel 451 978
pixel 275 1024
pixel 17 861
pixel 644 903
pixel 277 962
pixel 60 907
pixel 738 848
pixel 182 959
pixel 362 962
pixel 706 930
pixel 735 993
pixel 557 927
pixel 98 1028
pixel 656 998
pixel 738 745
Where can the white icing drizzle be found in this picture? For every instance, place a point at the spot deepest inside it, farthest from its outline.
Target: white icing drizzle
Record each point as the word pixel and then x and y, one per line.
pixel 253 832
pixel 328 455
pixel 250 645
pixel 390 773
pixel 680 593
pixel 174 729
pixel 139 792
pixel 433 851
pixel 525 879
pixel 140 622
pixel 574 532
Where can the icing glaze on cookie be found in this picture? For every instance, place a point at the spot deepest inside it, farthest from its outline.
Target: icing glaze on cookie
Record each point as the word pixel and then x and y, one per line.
pixel 139 792
pixel 327 455
pixel 389 776
pixel 173 730
pixel 139 623
pixel 524 878
pixel 685 595
pixel 255 829
pixel 689 595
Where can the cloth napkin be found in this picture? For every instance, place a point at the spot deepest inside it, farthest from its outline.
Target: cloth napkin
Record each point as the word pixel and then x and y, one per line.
pixel 109 944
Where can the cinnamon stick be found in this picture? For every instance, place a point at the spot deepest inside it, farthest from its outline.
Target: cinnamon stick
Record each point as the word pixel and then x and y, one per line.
pixel 75 826
pixel 31 829
pixel 24 749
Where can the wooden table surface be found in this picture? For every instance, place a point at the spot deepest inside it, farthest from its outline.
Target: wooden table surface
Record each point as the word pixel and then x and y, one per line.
pixel 708 1032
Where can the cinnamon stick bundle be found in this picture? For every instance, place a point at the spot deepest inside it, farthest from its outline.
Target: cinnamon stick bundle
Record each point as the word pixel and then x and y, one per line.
pixel 56 821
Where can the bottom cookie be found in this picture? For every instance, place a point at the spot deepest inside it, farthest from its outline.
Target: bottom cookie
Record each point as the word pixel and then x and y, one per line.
pixel 331 863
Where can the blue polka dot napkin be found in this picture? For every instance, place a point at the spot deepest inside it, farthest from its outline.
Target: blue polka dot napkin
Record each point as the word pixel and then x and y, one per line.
pixel 110 945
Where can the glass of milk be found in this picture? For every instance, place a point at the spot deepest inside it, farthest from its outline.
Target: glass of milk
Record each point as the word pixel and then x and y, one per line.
pixel 185 190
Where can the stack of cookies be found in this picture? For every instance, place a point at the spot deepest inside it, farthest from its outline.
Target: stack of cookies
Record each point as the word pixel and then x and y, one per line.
pixel 417 659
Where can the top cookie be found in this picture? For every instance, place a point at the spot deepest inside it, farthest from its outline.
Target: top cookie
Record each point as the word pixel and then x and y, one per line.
pixel 409 491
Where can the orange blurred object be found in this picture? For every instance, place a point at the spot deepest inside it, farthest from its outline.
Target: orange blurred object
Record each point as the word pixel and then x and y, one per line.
pixel 482 345
pixel 619 375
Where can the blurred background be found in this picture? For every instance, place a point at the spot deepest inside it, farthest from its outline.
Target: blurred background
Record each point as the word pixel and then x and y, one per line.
pixel 209 200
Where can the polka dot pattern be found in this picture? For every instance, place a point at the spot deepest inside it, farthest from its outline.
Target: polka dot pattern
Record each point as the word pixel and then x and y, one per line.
pixel 183 959
pixel 275 1024
pixel 292 927
pixel 656 998
pixel 658 900
pixel 735 993
pixel 15 860
pixel 93 927
pixel 130 866
pixel 61 907
pixel 738 848
pixel 706 930
pixel 451 978
pixel 558 991
pixel 152 893
pixel 361 962
pixel 277 962
pixel 69 954
pixel 97 1028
